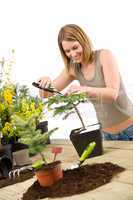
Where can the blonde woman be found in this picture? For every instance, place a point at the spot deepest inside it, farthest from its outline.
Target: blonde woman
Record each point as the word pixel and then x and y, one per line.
pixel 98 75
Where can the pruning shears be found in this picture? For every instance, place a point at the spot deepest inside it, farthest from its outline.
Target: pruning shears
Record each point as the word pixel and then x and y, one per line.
pixel 50 88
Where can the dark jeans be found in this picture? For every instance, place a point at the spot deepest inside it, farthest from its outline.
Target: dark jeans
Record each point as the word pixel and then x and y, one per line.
pixel 126 135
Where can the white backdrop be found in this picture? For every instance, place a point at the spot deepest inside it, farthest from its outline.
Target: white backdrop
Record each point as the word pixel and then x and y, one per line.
pixel 31 27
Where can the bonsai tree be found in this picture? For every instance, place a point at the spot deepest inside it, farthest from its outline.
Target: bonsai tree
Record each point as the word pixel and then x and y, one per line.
pixel 67 104
pixel 80 137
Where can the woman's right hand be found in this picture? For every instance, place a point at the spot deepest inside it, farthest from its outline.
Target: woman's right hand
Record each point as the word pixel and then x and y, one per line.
pixel 44 81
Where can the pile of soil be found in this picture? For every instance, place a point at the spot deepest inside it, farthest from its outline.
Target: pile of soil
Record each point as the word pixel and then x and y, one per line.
pixel 76 181
pixel 10 181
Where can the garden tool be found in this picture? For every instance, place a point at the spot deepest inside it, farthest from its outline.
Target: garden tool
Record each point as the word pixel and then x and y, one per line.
pixel 90 147
pixel 16 172
pixel 50 88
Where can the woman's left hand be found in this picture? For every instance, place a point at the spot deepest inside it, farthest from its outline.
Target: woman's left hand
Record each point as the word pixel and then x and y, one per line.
pixel 76 89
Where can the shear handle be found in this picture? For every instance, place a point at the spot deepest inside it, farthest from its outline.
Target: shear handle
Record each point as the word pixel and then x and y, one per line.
pixel 45 89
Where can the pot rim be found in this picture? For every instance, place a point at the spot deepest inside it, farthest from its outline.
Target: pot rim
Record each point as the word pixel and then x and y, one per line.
pixel 48 166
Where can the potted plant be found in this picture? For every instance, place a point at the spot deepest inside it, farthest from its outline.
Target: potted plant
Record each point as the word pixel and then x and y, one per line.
pixel 15 99
pixel 47 173
pixel 16 106
pixel 80 137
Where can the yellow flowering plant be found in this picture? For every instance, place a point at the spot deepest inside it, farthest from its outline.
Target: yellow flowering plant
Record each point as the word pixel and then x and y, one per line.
pixel 16 104
pixel 20 112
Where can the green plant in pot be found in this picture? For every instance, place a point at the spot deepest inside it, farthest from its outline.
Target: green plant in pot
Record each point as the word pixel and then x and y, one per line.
pixel 47 172
pixel 18 106
pixel 80 137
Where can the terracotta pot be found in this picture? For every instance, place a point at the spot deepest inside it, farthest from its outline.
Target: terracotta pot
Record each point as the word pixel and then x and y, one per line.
pixel 49 174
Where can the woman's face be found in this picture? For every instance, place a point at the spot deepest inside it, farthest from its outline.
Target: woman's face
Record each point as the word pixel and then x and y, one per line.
pixel 73 50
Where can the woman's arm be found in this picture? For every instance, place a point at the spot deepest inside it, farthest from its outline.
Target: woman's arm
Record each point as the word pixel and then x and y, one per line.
pixel 62 81
pixel 111 77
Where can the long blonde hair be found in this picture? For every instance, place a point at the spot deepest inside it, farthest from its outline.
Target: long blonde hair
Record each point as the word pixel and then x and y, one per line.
pixel 72 32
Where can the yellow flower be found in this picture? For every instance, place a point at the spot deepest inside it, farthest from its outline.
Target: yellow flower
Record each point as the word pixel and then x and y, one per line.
pixel 1 107
pixel 8 94
pixel 8 128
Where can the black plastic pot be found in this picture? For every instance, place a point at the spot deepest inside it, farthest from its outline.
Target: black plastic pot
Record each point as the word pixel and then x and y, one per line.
pixel 5 160
pixel 81 139
pixel 19 146
pixel 43 126
pixel 12 140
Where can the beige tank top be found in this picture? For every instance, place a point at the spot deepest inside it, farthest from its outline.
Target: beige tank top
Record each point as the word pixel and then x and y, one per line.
pixel 108 114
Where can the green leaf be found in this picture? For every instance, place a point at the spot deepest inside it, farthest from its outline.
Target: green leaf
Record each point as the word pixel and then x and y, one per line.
pixel 38 164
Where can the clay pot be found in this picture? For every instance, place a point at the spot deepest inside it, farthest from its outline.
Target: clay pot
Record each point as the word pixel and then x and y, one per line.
pixel 20 154
pixel 49 174
pixel 81 138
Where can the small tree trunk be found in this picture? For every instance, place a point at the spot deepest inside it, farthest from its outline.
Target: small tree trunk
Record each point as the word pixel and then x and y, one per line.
pixel 42 156
pixel 78 113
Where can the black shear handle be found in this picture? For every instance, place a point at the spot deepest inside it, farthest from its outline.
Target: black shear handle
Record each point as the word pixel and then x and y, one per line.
pixel 45 89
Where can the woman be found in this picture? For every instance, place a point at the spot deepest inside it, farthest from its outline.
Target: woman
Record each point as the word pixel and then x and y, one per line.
pixel 98 75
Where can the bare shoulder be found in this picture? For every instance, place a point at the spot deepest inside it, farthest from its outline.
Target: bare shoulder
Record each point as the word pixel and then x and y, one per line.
pixel 106 56
pixel 108 61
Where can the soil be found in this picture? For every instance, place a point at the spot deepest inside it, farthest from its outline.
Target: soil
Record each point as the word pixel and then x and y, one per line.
pixel 10 181
pixel 76 181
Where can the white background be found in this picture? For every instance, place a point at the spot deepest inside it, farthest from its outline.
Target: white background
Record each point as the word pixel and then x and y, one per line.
pixel 31 27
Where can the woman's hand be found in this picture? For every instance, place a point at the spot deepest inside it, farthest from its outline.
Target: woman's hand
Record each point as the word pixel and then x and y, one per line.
pixel 44 81
pixel 74 88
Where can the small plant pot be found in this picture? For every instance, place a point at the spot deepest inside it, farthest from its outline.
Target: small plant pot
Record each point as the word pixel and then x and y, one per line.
pixel 20 154
pixel 43 126
pixel 81 138
pixel 49 174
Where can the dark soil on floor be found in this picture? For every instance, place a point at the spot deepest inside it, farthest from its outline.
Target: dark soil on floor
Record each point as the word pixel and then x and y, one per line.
pixel 76 181
pixel 10 181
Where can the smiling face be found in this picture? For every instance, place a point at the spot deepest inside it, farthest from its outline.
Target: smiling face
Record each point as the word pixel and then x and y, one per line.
pixel 73 50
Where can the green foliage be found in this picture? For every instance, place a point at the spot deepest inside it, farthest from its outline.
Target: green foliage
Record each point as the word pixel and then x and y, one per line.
pixel 65 103
pixel 30 135
pixel 15 100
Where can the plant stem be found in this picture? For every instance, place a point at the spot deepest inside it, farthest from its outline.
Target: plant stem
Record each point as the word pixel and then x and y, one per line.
pixel 54 157
pixel 42 156
pixel 78 113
